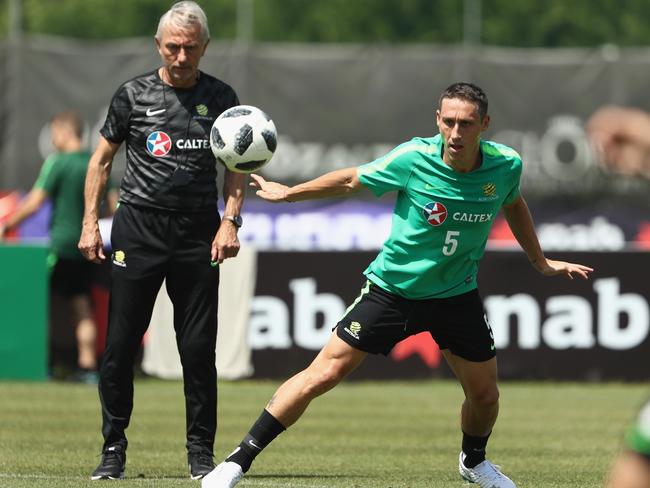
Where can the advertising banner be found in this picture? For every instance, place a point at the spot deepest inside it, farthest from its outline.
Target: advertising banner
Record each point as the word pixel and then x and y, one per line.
pixel 358 225
pixel 544 328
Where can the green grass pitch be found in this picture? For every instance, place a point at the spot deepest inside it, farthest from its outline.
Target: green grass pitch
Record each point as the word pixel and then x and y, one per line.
pixel 360 435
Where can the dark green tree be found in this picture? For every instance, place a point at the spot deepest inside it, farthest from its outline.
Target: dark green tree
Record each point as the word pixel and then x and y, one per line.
pixel 561 23
pixel 390 21
pixel 520 23
pixel 108 19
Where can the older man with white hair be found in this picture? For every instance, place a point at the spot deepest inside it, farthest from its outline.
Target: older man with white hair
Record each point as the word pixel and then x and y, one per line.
pixel 167 227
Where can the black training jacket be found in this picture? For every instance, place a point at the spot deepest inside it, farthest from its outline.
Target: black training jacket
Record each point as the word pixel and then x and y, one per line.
pixel 169 164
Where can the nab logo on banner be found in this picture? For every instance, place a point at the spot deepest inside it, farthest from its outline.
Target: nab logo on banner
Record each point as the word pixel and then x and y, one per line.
pixel 269 326
pixel 159 143
pixel 435 213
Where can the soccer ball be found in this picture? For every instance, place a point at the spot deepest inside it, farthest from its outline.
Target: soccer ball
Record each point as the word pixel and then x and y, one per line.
pixel 243 138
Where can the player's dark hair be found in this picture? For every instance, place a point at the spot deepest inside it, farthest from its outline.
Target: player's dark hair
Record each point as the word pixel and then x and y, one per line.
pixel 469 92
pixel 72 120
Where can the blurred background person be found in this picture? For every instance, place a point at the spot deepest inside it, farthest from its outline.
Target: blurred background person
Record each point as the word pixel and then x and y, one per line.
pixel 61 180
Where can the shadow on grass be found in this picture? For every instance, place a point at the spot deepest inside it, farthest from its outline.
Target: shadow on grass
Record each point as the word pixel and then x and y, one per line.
pixel 267 476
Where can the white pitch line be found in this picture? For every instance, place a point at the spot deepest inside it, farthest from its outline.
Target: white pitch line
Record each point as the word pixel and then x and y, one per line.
pixel 37 476
pixel 253 482
pixel 245 482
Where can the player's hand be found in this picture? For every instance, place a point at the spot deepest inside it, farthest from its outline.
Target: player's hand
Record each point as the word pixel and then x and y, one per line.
pixel 269 190
pixel 3 231
pixel 225 244
pixel 90 243
pixel 549 267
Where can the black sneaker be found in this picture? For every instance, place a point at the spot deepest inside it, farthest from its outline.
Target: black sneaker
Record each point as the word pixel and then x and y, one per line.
pixel 200 464
pixel 112 465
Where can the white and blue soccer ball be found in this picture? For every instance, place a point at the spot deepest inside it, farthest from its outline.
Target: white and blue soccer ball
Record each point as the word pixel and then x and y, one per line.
pixel 243 138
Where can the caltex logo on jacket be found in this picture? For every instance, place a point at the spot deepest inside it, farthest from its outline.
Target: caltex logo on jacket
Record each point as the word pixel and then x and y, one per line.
pixel 159 143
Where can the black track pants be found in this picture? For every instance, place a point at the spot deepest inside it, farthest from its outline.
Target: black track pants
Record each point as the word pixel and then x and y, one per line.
pixel 149 246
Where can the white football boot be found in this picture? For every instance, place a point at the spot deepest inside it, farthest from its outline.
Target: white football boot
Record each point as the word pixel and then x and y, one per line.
pixel 485 474
pixel 225 475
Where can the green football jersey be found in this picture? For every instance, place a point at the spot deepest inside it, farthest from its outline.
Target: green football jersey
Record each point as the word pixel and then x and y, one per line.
pixel 62 177
pixel 441 219
pixel 638 436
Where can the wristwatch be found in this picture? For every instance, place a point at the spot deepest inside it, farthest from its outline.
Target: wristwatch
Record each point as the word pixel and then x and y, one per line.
pixel 235 219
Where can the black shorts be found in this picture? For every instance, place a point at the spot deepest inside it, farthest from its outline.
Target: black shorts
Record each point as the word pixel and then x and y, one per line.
pixel 378 320
pixel 72 277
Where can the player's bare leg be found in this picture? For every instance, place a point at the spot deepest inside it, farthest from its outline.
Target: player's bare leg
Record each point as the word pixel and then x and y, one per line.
pixel 479 381
pixel 333 363
pixel 478 415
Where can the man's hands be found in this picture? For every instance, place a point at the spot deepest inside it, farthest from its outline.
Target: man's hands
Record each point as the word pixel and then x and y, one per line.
pixel 226 243
pixel 90 243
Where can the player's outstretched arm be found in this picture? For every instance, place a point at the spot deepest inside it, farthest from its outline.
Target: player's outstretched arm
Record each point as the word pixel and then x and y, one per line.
pixel 521 223
pixel 336 183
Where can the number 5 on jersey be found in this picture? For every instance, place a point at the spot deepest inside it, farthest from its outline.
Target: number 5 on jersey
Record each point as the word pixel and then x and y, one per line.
pixel 451 242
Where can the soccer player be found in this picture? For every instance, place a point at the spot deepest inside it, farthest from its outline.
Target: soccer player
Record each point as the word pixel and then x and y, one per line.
pixel 632 468
pixel 167 227
pixel 449 190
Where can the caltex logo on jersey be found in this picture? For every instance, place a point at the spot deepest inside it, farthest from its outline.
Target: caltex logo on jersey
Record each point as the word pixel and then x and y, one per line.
pixel 158 143
pixel 435 213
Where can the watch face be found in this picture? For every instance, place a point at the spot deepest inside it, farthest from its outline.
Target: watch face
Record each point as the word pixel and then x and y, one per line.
pixel 235 219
